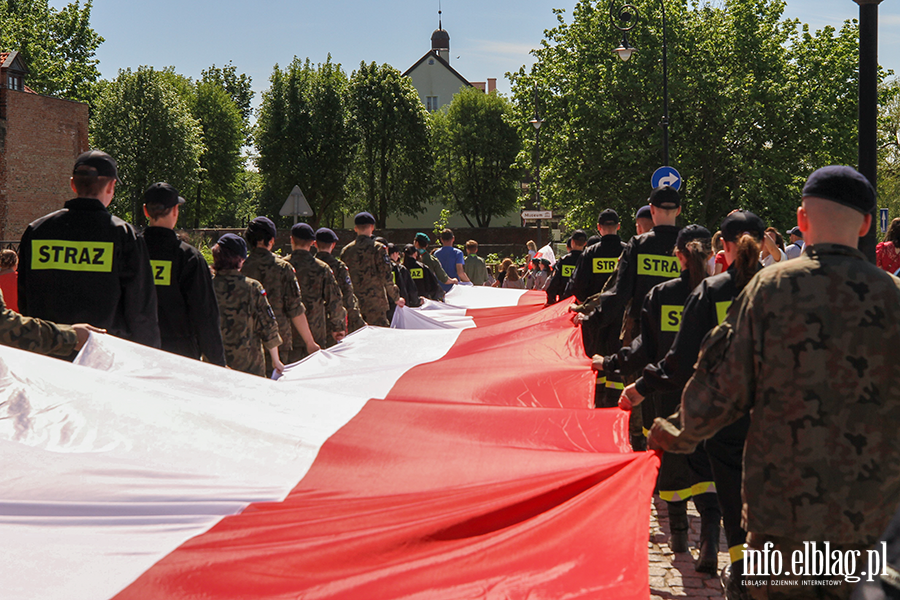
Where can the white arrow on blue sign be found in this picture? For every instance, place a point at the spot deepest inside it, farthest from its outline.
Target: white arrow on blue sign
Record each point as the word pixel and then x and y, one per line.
pixel 883 213
pixel 666 176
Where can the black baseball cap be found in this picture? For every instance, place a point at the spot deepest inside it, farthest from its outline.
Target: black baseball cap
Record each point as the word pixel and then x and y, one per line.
pixel 326 236
pixel 162 194
pixel 234 244
pixel 364 218
pixel 665 196
pixel 691 233
pixel 608 217
pixel 96 162
pixel 303 231
pixel 742 221
pixel 841 184
pixel 795 231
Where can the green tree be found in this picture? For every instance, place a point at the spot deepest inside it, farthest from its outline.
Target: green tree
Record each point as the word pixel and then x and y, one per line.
pixel 477 147
pixel 394 162
pixel 756 103
pixel 304 137
pixel 57 46
pixel 148 128
pixel 237 86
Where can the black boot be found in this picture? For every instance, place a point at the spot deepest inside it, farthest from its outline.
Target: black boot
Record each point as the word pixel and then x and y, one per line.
pixel 708 560
pixel 678 526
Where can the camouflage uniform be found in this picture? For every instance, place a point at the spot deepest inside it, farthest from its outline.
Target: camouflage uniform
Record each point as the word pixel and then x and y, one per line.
pixel 35 335
pixel 370 270
pixel 342 276
pixel 321 297
pixel 277 277
pixel 247 321
pixel 809 351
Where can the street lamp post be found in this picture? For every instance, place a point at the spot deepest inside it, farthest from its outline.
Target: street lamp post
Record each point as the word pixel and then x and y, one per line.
pixel 624 19
pixel 537 122
pixel 868 108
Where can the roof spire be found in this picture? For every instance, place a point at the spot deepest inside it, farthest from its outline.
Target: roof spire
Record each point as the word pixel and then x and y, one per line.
pixel 439 15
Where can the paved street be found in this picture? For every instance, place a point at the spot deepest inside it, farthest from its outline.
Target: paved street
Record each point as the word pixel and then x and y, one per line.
pixel 672 575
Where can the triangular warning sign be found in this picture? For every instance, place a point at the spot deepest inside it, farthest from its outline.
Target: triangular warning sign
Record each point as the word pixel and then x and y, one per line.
pixel 296 205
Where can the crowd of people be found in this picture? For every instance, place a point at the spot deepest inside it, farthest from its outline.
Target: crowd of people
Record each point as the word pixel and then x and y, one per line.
pixel 762 371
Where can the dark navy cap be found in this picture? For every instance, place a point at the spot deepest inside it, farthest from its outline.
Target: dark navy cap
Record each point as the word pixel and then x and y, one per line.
pixel 326 236
pixel 162 194
pixel 578 235
pixel 844 185
pixel 691 233
pixel 409 250
pixel 795 231
pixel 643 213
pixel 364 218
pixel 608 217
pixel 665 196
pixel 423 238
pixel 95 162
pixel 264 224
pixel 742 221
pixel 235 244
pixel 303 231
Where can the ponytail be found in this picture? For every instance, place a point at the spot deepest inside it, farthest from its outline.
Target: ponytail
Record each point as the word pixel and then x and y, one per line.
pixel 696 253
pixel 746 260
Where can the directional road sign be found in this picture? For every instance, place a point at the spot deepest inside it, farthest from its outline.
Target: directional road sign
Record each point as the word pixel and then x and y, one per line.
pixel 534 215
pixel 666 176
pixel 883 214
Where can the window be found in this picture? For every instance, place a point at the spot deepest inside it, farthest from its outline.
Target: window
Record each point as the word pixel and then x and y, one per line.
pixel 431 103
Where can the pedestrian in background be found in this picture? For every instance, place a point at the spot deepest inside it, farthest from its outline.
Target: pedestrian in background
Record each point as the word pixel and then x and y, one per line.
pixel 475 267
pixel 451 259
pixel 512 278
pixel 9 283
pixel 887 252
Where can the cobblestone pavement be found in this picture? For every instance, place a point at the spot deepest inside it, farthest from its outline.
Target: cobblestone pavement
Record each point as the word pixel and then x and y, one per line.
pixel 673 575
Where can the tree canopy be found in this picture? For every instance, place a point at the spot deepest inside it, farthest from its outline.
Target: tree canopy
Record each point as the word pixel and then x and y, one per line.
pixel 394 162
pixel 476 146
pixel 756 103
pixel 304 137
pixel 57 46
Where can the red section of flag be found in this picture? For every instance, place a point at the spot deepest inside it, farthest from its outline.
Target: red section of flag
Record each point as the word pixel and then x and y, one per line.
pixel 425 500
pixel 533 360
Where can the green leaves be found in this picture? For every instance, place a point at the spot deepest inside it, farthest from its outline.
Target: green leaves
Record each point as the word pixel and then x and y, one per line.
pixel 477 143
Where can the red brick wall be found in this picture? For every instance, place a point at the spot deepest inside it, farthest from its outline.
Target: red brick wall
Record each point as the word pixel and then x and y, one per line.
pixel 43 137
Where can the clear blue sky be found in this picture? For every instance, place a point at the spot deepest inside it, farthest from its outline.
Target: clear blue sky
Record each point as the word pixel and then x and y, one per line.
pixel 487 37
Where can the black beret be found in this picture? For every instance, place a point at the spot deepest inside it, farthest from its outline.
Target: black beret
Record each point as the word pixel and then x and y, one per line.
pixel 326 236
pixel 364 218
pixel 643 213
pixel 264 224
pixel 303 231
pixel 234 244
pixel 844 185
pixel 578 235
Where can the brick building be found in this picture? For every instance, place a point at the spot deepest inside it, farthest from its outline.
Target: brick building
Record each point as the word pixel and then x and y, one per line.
pixel 40 137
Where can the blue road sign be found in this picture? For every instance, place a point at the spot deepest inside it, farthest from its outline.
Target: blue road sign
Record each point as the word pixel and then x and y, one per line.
pixel 883 213
pixel 666 176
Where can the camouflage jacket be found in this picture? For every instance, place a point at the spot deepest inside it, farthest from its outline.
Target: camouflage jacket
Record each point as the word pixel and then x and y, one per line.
pixel 35 335
pixel 321 296
pixel 247 321
pixel 370 270
pixel 808 349
pixel 342 276
pixel 277 277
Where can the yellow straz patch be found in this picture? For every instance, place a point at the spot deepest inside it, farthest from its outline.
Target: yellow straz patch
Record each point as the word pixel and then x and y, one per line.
pixel 671 317
pixel 417 273
pixel 65 255
pixel 722 310
pixel 567 270
pixel 658 266
pixel 162 272
pixel 605 265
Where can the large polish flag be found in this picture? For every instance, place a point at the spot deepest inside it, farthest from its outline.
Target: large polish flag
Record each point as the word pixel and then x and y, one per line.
pixel 452 463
